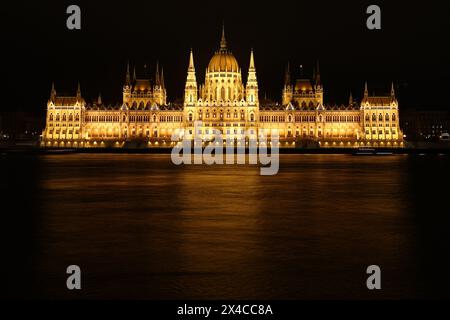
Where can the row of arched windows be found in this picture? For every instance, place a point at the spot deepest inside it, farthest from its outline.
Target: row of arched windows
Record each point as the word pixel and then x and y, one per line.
pixel 337 118
pixel 102 118
pixel 274 118
pixel 228 115
pixel 64 117
pixel 380 117
pixel 169 118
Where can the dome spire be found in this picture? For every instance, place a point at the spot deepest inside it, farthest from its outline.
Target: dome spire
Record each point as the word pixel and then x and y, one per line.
pixel 223 41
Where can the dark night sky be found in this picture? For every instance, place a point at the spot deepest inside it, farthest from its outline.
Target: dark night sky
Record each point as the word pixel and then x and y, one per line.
pixel 411 48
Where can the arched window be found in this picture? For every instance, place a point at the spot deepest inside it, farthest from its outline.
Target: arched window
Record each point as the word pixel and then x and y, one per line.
pixel 51 116
pixel 387 117
pixel 190 116
pixel 367 117
pixel 252 117
pixel 141 105
pixel 70 117
pixel 124 119
pixel 393 117
pixel 374 117
pixel 380 117
pixel 222 93
pixel 64 117
pixel 154 118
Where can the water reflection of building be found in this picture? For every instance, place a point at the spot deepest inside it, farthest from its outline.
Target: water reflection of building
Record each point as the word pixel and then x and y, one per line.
pixel 222 102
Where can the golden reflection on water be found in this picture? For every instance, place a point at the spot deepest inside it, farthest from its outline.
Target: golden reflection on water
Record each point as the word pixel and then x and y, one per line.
pixel 165 231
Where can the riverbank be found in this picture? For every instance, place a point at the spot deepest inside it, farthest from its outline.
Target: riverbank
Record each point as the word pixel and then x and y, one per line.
pixel 168 150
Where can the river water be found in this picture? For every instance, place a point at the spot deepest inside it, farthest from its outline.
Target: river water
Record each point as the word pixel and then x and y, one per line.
pixel 142 228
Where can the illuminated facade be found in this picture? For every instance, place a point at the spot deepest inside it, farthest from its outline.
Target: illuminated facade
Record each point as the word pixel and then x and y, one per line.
pixel 222 102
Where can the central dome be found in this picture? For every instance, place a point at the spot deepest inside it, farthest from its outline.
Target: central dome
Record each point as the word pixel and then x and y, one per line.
pixel 223 60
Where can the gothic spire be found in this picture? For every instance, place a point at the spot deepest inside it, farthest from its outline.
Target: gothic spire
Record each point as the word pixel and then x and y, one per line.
pixel 392 90
pixel 251 70
pixel 53 92
pixel 317 74
pixel 191 62
pixel 163 85
pixel 157 78
pixel 252 61
pixel 366 91
pixel 79 90
pixel 127 76
pixel 287 75
pixel 191 70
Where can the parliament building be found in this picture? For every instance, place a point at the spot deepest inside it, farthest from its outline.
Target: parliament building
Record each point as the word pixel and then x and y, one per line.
pixel 222 102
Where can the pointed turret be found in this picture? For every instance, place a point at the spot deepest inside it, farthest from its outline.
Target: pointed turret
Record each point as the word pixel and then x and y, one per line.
pixel 99 99
pixel 127 76
pixel 157 78
pixel 191 62
pixel 366 91
pixel 287 76
pixel 317 78
pixel 53 92
pixel 252 61
pixel 287 90
pixel 350 99
pixel 392 90
pixel 251 69
pixel 163 85
pixel 134 73
pixel 79 90
pixel 252 83
pixel 190 90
